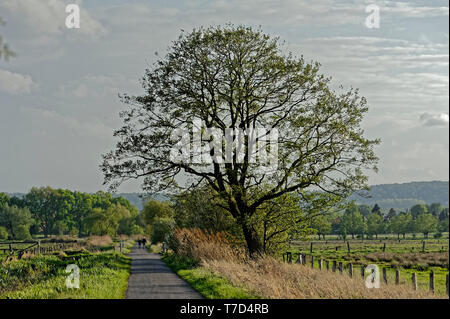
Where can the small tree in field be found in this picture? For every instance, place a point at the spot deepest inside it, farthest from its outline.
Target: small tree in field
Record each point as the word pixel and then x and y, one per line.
pixel 240 79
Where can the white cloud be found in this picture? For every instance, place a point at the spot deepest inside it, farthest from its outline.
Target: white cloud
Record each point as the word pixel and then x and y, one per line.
pixel 47 17
pixel 58 123
pixel 16 83
pixel 440 119
pixel 97 86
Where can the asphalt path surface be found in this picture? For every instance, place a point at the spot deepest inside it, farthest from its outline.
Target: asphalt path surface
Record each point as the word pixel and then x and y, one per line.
pixel 151 278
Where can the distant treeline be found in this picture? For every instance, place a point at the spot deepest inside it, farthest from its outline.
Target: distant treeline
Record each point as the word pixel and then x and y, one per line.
pixel 51 211
pixel 370 221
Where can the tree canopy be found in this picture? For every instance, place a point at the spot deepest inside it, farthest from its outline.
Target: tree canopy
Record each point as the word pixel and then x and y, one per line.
pixel 235 78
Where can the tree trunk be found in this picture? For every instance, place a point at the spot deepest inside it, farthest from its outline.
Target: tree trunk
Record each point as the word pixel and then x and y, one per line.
pixel 253 242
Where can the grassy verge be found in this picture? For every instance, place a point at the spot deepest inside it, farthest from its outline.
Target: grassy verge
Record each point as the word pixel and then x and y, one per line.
pixel 204 281
pixel 102 276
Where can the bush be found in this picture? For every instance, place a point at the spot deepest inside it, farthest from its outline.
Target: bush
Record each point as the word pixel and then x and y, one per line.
pixel 22 232
pixel 202 245
pixel 3 233
pixel 162 229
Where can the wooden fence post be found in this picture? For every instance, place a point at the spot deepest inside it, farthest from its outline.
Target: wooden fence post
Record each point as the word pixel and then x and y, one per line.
pixel 284 260
pixel 312 261
pixel 320 264
pixel 334 266
pixel 304 259
pixel 385 276
pixel 289 257
pixel 327 265
pixel 340 267
pixel 432 281
pixel 348 247
pixel 414 280
pixel 311 248
pixel 384 247
pixel 423 246
pixel 350 269
pixel 397 276
pixel 363 270
pixel 300 259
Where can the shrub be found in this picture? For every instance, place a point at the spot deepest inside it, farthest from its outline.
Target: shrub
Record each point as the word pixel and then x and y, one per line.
pixel 203 245
pixel 162 229
pixel 100 240
pixel 3 233
pixel 437 235
pixel 22 232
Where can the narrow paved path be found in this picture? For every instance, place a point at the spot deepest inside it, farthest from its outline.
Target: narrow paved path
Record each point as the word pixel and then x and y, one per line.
pixel 150 278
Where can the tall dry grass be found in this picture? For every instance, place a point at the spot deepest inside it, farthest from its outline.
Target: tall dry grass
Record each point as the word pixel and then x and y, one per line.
pixel 99 240
pixel 271 278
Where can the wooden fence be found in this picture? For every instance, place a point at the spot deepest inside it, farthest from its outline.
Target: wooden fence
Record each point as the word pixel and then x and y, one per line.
pixel 334 245
pixel 325 264
pixel 14 248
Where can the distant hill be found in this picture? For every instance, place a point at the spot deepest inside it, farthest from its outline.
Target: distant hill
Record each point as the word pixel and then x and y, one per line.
pixel 139 199
pixel 405 195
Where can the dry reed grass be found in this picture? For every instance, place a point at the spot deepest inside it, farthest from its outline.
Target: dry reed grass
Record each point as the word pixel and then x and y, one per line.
pixel 271 278
pixel 99 240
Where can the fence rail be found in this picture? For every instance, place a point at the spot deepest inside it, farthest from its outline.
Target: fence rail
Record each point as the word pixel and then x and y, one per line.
pixel 36 247
pixel 303 260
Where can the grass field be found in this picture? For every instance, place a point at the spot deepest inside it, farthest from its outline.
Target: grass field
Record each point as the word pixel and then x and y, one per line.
pixel 404 255
pixel 104 274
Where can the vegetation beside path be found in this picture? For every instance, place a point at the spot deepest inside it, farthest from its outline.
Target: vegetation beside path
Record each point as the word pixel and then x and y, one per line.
pixel 206 282
pixel 103 275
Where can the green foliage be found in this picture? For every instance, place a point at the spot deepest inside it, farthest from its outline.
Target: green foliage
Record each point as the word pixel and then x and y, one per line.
pixel 154 209
pixel 322 224
pixel 352 221
pixel 418 209
pixel 435 209
pixel 443 225
pixel 246 79
pixel 375 224
pixel 4 199
pixel 59 211
pixel 200 209
pixel 3 233
pixel 162 229
pixel 401 224
pixel 426 223
pixel 106 221
pixel 16 221
pixel 103 275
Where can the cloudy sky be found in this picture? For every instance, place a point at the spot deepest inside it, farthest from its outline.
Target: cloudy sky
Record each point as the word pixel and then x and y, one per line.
pixel 58 97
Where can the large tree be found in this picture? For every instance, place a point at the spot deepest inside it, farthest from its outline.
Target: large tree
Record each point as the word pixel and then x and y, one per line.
pixel 239 78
